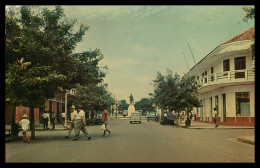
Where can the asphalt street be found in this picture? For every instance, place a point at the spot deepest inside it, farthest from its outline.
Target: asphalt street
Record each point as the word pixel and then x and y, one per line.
pixel 146 143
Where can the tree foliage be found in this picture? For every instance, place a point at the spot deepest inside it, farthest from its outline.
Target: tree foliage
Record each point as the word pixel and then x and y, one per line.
pixel 145 104
pixel 122 105
pixel 174 93
pixel 250 14
pixel 92 97
pixel 39 58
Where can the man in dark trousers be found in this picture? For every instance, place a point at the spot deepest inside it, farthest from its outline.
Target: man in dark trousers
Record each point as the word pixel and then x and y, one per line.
pixel 45 120
pixel 215 117
pixel 164 118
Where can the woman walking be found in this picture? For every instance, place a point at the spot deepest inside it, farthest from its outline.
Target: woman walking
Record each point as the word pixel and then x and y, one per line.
pixel 105 119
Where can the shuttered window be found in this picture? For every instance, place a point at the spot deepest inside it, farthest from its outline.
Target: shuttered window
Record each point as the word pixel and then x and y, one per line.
pixel 240 64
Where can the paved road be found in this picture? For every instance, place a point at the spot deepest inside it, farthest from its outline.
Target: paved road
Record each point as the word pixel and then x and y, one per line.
pixel 146 142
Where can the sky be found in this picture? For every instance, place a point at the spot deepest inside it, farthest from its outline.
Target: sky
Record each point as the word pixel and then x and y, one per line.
pixel 139 41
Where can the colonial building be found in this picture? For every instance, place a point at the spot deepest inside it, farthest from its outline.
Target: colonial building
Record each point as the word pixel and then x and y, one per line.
pixel 227 82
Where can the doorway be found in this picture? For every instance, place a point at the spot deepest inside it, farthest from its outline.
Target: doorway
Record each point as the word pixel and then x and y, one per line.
pixel 224 107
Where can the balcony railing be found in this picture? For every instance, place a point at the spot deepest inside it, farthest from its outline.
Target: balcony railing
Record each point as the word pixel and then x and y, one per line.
pixel 227 77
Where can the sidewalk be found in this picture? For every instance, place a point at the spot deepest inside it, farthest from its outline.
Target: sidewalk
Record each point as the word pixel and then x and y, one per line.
pixel 58 127
pixel 201 125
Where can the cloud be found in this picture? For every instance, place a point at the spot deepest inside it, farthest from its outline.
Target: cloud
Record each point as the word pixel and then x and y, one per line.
pixel 118 62
pixel 143 79
pixel 118 12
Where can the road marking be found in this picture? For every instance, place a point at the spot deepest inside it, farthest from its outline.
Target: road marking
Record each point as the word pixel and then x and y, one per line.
pixel 236 141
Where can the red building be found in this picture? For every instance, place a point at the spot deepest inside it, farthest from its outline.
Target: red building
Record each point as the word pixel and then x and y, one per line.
pixel 55 105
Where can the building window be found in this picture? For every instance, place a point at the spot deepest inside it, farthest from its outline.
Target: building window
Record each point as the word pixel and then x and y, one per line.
pixel 205 76
pixel 242 104
pixel 202 78
pixel 226 67
pixel 212 71
pixel 240 64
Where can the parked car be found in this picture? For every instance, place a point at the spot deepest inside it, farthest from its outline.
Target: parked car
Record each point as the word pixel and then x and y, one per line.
pixel 98 119
pixel 125 113
pixel 170 118
pixel 88 121
pixel 135 117
pixel 151 116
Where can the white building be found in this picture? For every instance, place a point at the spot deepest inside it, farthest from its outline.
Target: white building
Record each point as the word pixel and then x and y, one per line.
pixel 227 80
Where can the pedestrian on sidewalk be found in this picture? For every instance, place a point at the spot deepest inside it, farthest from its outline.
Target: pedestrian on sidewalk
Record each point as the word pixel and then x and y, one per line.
pixel 80 124
pixel 164 118
pixel 45 120
pixel 63 118
pixel 72 122
pixel 49 120
pixel 53 117
pixel 215 117
pixel 105 120
pixel 25 126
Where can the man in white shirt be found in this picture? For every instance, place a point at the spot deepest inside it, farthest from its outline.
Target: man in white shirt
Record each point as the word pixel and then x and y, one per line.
pixel 215 117
pixel 72 122
pixel 80 120
pixel 45 120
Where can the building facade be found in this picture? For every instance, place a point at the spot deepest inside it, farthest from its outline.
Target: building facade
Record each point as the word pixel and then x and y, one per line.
pixel 56 105
pixel 227 82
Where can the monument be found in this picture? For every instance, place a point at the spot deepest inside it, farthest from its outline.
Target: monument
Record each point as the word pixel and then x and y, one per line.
pixel 131 107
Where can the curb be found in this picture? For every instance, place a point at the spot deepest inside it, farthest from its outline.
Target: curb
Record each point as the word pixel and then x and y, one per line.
pixel 246 141
pixel 13 139
pixel 214 128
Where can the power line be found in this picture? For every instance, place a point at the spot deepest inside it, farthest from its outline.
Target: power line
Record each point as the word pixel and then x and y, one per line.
pixel 194 60
pixel 186 62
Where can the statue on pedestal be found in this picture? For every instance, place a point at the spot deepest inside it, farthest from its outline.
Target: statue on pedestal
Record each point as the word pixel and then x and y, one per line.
pixel 131 99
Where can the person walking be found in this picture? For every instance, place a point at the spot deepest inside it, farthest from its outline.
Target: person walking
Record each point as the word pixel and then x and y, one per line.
pixel 164 118
pixel 63 118
pixel 53 120
pixel 72 122
pixel 25 126
pixel 215 117
pixel 49 120
pixel 45 120
pixel 105 120
pixel 80 124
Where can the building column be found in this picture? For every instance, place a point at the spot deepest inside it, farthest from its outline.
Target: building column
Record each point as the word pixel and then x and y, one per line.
pixel 204 110
pixel 220 107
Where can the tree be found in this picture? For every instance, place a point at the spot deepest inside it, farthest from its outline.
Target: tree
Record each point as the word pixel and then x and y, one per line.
pixel 46 40
pixel 144 105
pixel 122 105
pixel 93 98
pixel 174 93
pixel 250 14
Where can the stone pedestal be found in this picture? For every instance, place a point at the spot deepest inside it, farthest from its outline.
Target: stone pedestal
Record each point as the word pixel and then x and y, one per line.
pixel 131 109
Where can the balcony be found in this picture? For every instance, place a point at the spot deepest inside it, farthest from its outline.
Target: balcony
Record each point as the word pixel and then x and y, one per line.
pixel 246 75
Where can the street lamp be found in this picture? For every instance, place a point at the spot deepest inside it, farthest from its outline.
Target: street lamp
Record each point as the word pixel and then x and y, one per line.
pixel 71 92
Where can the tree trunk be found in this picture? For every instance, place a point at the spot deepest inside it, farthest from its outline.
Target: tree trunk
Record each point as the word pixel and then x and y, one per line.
pixel 32 122
pixel 178 117
pixel 14 127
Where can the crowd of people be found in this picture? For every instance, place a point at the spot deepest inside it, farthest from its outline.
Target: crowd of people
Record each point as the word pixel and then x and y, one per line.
pixel 77 123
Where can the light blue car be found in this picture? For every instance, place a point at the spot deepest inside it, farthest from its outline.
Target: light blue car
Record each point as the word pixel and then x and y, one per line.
pixel 135 117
